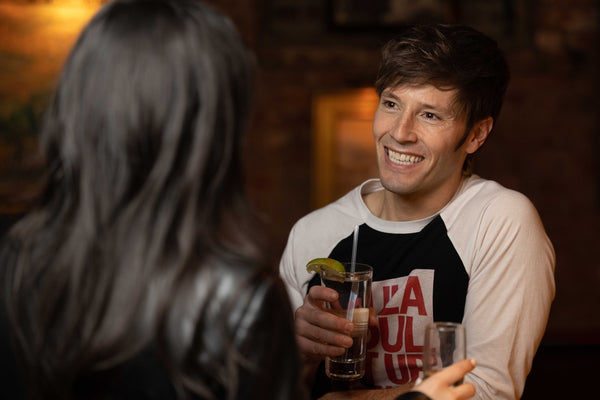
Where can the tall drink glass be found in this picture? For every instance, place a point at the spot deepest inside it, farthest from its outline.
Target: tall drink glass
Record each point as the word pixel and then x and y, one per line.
pixel 354 290
pixel 445 344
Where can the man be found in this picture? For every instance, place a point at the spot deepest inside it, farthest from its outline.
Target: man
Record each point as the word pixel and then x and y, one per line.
pixel 445 245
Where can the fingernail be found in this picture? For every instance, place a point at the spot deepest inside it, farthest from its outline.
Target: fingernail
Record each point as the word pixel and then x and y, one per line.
pixel 349 328
pixel 473 362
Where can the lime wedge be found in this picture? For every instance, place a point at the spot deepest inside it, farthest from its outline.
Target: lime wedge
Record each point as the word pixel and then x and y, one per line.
pixel 328 265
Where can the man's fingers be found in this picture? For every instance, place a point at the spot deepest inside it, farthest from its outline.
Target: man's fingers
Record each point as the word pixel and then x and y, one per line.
pixel 323 327
pixel 373 317
pixel 320 333
pixel 464 391
pixel 457 371
pixel 321 293
pixel 312 312
pixel 323 319
pixel 315 341
pixel 317 349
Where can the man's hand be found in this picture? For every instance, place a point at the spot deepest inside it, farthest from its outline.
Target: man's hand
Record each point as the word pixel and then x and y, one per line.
pixel 318 332
pixel 440 386
pixel 437 387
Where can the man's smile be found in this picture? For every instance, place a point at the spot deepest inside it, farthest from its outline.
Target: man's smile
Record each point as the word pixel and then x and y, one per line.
pixel 402 158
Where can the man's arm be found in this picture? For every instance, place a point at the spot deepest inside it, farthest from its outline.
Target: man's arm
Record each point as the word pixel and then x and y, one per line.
pixel 511 288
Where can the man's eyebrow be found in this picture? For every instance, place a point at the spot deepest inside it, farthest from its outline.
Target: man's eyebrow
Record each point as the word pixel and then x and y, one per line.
pixel 444 112
pixel 434 107
pixel 389 93
pixel 450 111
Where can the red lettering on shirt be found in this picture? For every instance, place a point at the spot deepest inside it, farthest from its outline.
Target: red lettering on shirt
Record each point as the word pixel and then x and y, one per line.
pixel 397 374
pixel 373 337
pixel 395 345
pixel 369 361
pixel 409 337
pixel 387 296
pixel 413 286
pixel 384 330
pixel 415 365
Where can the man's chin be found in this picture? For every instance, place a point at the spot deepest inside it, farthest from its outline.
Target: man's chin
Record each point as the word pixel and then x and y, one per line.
pixel 397 186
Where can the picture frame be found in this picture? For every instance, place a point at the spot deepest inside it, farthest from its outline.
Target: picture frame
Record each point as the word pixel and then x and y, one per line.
pixel 343 151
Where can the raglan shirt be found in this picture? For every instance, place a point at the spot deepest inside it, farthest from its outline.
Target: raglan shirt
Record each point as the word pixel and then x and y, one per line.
pixel 483 260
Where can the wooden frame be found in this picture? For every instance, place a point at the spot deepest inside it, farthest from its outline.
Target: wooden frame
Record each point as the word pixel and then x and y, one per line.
pixel 331 113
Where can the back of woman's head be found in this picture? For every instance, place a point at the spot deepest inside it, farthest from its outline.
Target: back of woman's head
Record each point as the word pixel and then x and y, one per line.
pixel 143 141
pixel 153 100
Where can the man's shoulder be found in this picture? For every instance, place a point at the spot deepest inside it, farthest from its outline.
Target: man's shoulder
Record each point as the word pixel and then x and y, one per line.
pixel 480 198
pixel 486 192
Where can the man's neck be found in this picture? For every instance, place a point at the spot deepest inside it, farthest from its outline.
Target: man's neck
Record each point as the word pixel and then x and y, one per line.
pixel 390 206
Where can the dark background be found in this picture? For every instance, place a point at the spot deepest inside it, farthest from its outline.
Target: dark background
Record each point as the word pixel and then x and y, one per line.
pixel 546 143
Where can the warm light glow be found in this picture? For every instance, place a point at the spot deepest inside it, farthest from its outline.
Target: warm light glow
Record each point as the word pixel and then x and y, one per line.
pixel 343 152
pixel 36 38
pixel 366 100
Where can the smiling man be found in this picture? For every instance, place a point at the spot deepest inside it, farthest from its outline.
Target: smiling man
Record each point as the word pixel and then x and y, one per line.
pixel 444 244
pixel 422 143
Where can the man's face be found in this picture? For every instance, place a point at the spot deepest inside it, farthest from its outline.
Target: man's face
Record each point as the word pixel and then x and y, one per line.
pixel 417 130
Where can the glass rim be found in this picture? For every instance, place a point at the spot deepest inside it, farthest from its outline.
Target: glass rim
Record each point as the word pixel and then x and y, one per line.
pixel 445 325
pixel 364 268
pixel 361 269
pixel 362 272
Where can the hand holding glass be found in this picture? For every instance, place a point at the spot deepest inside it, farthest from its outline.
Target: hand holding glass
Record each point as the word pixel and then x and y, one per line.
pixel 354 291
pixel 445 344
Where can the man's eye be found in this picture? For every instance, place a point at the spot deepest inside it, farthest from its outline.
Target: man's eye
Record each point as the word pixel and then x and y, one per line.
pixel 429 115
pixel 389 104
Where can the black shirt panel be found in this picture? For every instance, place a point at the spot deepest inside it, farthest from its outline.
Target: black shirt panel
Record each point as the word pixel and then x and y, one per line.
pixel 393 255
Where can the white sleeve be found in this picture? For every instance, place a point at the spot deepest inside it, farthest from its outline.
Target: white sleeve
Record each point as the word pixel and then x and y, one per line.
pixel 511 288
pixel 313 236
pixel 295 289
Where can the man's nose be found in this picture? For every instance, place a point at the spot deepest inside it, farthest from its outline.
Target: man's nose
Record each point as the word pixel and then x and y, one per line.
pixel 403 130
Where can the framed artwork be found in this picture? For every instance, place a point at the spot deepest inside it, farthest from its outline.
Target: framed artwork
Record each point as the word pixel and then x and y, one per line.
pixel 343 150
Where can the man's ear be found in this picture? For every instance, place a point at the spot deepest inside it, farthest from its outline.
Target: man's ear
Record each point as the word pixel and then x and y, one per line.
pixel 478 134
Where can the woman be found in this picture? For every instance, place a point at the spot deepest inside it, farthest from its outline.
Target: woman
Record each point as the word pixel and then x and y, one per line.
pixel 136 277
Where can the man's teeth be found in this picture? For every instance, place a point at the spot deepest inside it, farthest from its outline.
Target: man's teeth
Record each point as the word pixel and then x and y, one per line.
pixel 403 159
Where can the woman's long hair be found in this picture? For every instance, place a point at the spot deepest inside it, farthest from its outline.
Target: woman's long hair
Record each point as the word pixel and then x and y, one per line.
pixel 144 190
